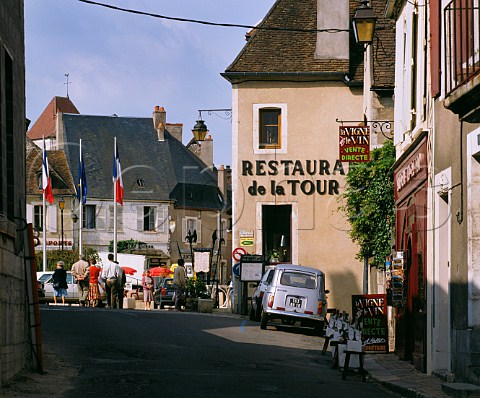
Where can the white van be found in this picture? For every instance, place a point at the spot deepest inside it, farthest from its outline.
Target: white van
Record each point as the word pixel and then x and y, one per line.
pixel 295 294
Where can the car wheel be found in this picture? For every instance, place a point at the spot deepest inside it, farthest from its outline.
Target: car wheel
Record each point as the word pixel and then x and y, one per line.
pixel 252 313
pixel 162 306
pixel 258 313
pixel 263 320
pixel 318 329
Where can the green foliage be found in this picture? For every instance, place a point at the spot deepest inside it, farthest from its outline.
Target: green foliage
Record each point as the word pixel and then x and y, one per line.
pixel 69 257
pixel 196 287
pixel 125 246
pixel 370 205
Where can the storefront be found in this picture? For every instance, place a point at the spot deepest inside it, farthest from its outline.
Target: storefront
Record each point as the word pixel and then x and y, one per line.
pixel 410 176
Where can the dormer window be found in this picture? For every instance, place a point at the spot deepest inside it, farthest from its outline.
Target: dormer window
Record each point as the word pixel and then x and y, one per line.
pixel 141 182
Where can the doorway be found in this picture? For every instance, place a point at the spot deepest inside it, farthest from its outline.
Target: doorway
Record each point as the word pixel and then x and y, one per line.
pixel 276 230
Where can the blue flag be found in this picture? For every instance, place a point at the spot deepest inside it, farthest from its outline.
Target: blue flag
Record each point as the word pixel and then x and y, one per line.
pixel 82 182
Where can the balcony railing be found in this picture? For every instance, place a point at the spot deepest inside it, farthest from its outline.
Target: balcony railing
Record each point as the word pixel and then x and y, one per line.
pixel 462 43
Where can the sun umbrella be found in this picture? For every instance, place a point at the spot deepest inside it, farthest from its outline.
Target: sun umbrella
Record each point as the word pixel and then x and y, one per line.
pixel 160 271
pixel 129 270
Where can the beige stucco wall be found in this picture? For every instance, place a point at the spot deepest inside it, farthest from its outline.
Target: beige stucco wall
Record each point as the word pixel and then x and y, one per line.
pixel 319 231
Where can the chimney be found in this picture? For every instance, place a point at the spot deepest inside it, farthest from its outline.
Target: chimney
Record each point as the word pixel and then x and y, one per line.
pixel 206 151
pixel 223 175
pixel 159 116
pixel 176 130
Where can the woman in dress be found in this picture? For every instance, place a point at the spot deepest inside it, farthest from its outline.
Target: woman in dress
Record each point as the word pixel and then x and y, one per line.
pixel 147 284
pixel 94 292
pixel 60 286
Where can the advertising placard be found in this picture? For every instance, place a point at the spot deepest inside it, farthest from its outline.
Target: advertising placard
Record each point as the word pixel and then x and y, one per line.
pixel 354 144
pixel 251 268
pixel 371 310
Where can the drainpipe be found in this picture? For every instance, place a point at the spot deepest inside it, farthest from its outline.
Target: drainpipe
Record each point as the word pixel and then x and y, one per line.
pixel 365 275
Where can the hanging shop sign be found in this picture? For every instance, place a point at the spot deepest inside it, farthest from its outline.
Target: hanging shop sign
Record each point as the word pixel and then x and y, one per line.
pixel 371 311
pixel 297 177
pixel 354 143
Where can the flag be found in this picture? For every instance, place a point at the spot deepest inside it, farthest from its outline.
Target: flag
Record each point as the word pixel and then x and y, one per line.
pixel 46 181
pixel 117 177
pixel 82 181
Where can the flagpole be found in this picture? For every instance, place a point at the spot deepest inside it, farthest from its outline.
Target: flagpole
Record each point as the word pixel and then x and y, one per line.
pixel 44 218
pixel 80 204
pixel 115 203
pixel 44 223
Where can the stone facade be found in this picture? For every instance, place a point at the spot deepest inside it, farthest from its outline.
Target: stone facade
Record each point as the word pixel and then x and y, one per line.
pixel 15 351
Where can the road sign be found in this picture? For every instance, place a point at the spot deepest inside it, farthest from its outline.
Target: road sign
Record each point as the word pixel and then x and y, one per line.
pixel 238 252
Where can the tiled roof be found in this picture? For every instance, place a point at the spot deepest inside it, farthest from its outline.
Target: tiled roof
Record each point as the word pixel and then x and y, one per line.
pixel 169 170
pixel 275 52
pixel 45 124
pixel 62 181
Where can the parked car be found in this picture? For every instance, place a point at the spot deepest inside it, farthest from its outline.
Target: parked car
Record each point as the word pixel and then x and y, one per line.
pixel 256 306
pixel 164 294
pixel 46 278
pixel 295 294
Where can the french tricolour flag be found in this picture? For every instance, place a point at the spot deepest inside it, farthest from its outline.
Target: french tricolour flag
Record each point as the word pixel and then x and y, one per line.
pixel 117 177
pixel 46 182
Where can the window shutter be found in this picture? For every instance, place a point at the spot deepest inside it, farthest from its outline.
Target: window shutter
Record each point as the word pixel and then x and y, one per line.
pixel 119 218
pixel 435 43
pixel 101 221
pixel 29 214
pixel 198 227
pixel 52 219
pixel 140 218
pixel 184 229
pixel 161 219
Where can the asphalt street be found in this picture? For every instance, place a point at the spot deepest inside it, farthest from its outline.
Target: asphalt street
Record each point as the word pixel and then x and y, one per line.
pixel 132 353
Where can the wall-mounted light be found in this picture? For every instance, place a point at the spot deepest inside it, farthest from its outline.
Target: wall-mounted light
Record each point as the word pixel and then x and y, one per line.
pixel 172 224
pixel 364 23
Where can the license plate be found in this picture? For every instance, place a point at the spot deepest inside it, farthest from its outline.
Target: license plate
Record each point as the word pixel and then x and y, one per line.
pixel 295 302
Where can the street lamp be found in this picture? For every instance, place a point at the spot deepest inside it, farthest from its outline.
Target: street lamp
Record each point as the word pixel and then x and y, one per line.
pixel 364 23
pixel 61 204
pixel 199 130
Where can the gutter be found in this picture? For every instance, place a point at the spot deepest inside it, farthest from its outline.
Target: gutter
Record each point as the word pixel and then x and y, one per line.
pixel 239 77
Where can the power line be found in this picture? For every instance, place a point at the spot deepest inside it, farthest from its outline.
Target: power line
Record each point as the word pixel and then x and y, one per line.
pixel 228 25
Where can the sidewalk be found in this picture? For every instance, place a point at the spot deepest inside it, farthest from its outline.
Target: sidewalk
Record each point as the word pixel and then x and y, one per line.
pixel 401 377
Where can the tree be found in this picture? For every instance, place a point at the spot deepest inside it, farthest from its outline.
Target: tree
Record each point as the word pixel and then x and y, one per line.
pixel 69 257
pixel 370 205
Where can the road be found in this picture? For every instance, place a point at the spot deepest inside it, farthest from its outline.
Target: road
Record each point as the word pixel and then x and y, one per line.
pixel 135 353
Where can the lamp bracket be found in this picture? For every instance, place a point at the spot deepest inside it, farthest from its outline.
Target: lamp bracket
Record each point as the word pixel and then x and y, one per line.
pixel 378 126
pixel 227 111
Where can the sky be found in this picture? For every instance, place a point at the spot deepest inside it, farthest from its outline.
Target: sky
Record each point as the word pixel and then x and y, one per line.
pixel 126 64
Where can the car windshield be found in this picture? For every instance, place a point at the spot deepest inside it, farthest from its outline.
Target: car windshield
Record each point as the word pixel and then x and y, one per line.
pixel 297 279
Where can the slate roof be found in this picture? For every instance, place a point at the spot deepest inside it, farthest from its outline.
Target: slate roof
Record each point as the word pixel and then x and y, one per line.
pixel 284 55
pixel 62 181
pixel 45 124
pixel 169 170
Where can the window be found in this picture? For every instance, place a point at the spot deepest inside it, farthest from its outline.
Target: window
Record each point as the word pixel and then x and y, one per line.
pixel 149 218
pixel 191 224
pixel 270 128
pixel 89 212
pixel 38 217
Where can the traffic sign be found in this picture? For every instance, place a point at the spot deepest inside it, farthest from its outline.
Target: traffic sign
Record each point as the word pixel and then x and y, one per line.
pixel 238 252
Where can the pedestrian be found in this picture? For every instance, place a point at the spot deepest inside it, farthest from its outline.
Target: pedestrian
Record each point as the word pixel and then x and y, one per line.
pixel 80 270
pixel 60 286
pixel 93 291
pixel 122 281
pixel 110 276
pixel 179 279
pixel 147 284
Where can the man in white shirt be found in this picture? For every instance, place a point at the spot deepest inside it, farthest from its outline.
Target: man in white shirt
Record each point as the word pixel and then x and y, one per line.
pixel 110 276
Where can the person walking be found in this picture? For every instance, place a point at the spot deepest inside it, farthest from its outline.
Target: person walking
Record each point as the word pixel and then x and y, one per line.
pixel 179 280
pixel 93 291
pixel 122 281
pixel 110 276
pixel 60 286
pixel 80 270
pixel 147 284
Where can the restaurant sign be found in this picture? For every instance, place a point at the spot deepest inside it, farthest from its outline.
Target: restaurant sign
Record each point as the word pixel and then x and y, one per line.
pixel 371 311
pixel 354 143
